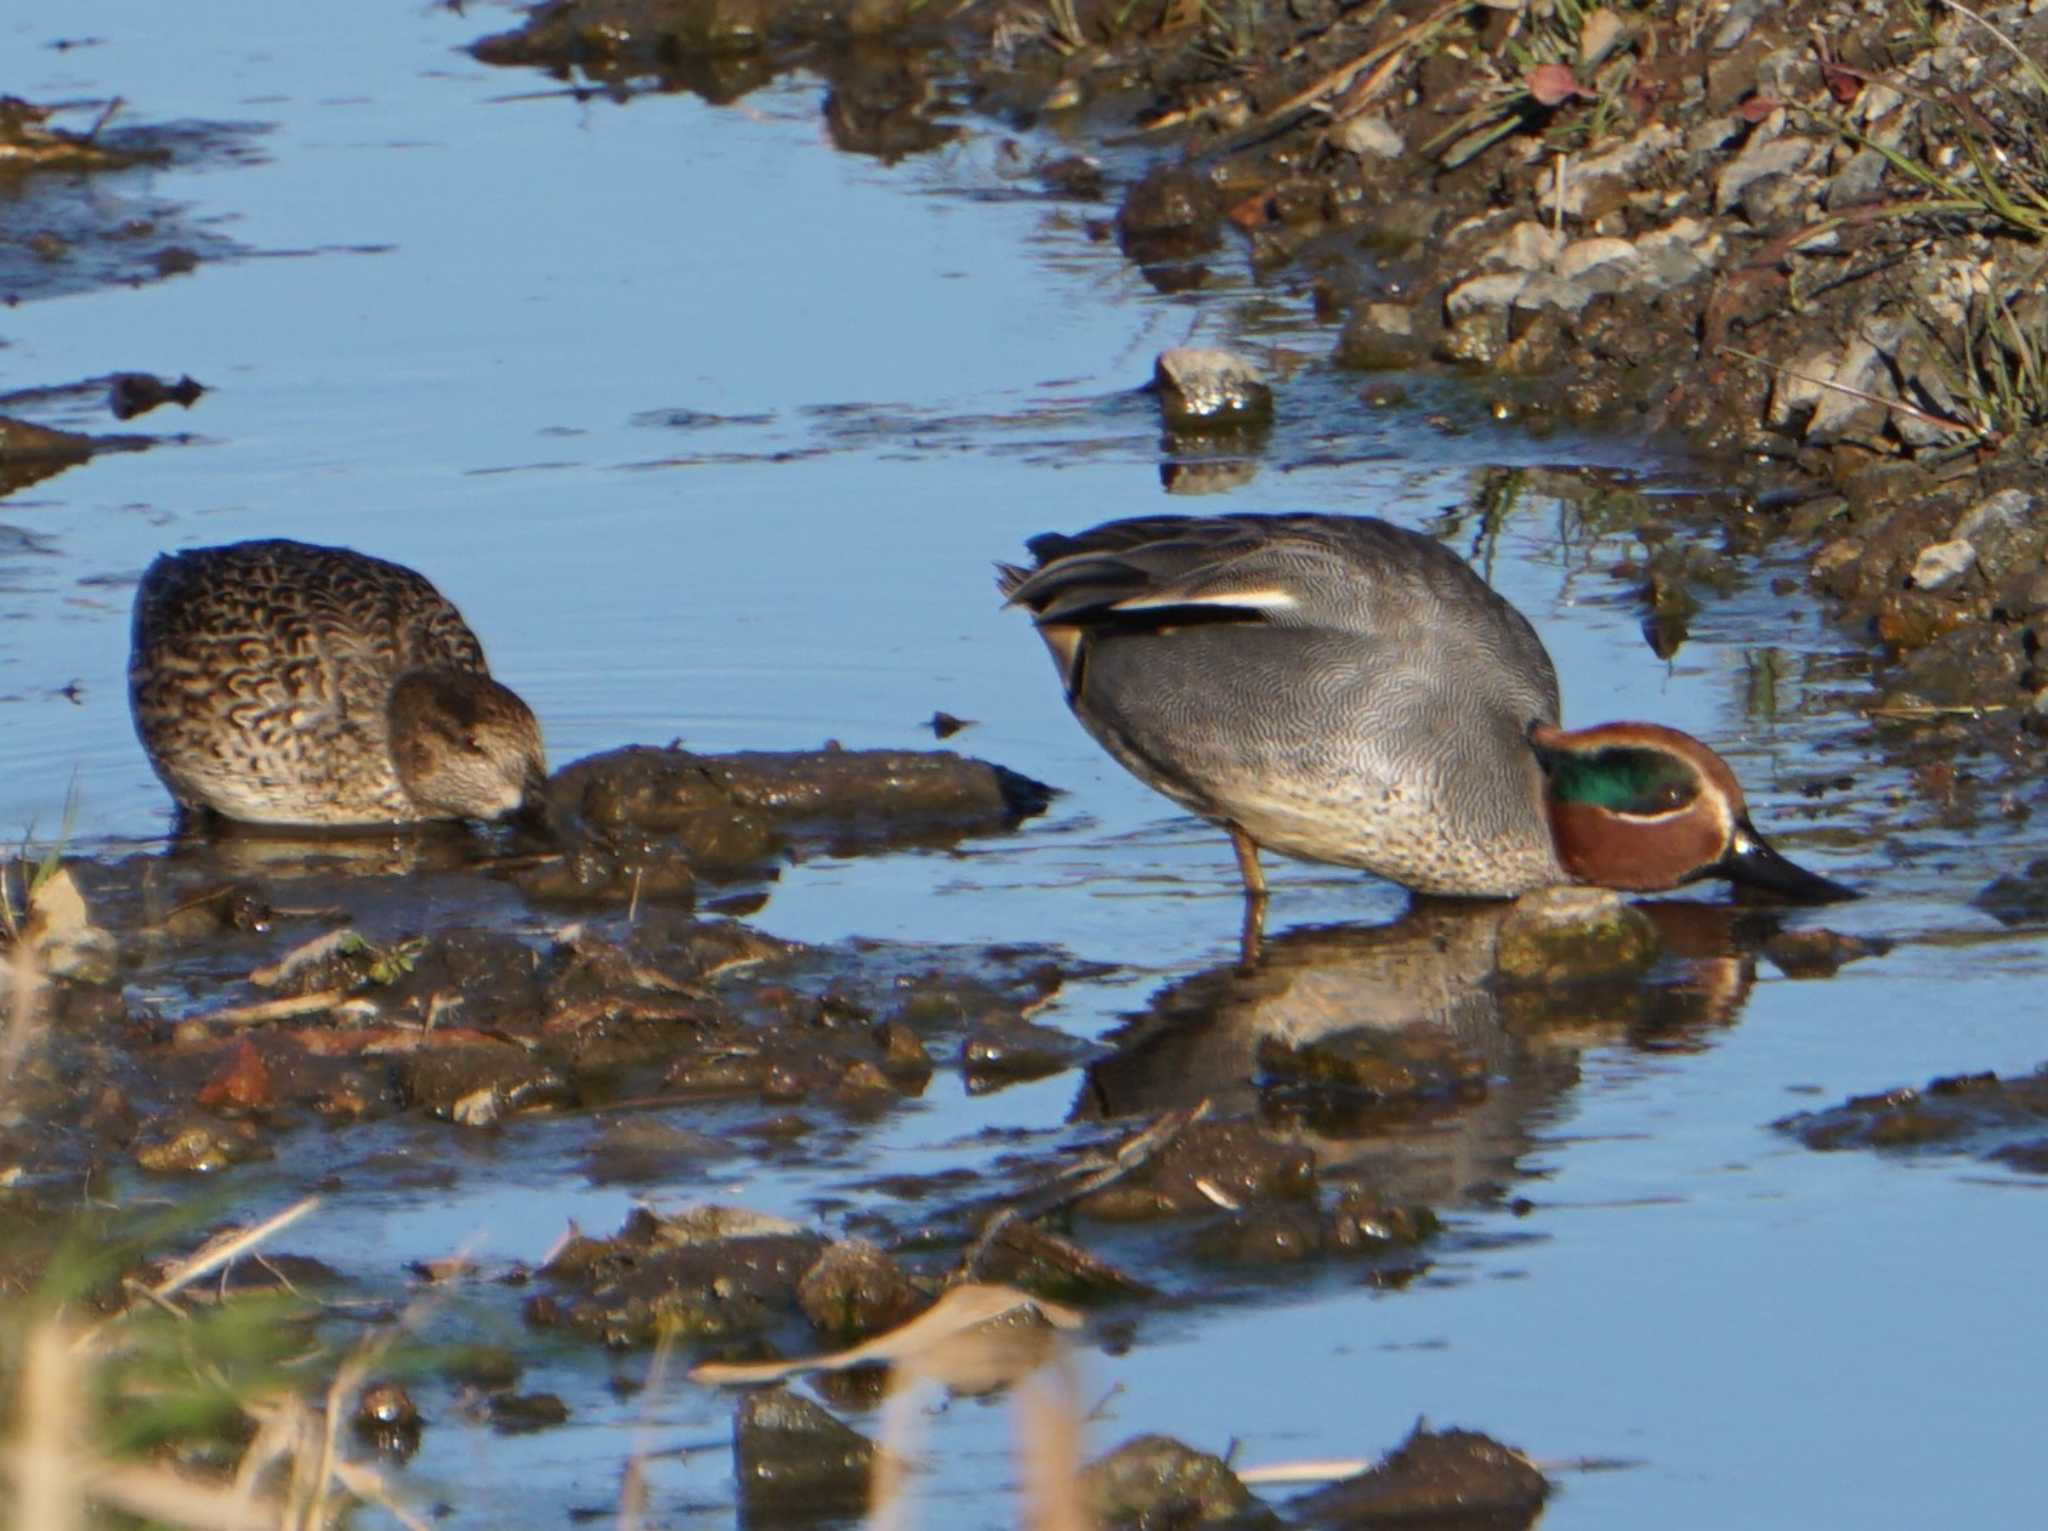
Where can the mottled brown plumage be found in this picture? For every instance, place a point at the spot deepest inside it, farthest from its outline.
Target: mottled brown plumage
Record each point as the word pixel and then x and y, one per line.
pixel 279 682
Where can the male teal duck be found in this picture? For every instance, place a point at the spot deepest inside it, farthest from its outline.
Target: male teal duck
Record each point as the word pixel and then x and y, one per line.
pixel 282 683
pixel 1344 690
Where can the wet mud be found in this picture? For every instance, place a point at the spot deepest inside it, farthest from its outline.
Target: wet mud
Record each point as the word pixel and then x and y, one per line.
pixel 1322 1107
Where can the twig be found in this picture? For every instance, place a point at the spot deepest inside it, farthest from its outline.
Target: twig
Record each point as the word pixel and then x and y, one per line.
pixel 1131 1155
pixel 261 1010
pixel 106 116
pixel 1900 405
pixel 224 1251
pixel 633 1482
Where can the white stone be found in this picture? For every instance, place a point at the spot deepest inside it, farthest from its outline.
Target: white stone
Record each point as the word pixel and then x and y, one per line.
pixel 1497 290
pixel 1369 138
pixel 1943 563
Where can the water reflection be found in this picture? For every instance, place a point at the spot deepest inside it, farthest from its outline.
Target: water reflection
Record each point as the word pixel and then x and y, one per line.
pixel 1451 1071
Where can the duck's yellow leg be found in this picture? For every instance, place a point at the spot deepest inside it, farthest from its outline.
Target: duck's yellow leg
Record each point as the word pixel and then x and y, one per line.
pixel 1247 862
pixel 1252 934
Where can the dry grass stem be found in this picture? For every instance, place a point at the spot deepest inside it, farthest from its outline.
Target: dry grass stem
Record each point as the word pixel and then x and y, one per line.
pixel 49 1427
pixel 959 1309
pixel 633 1484
pixel 1132 1154
pixel 1325 1471
pixel 225 1248
pixel 259 1011
pixel 1048 1430
pixel 1938 421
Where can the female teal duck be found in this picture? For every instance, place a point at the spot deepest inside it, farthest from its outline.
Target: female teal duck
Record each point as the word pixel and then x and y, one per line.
pixel 1344 690
pixel 287 684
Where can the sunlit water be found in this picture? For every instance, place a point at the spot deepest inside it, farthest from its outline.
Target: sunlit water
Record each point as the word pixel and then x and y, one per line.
pixel 714 433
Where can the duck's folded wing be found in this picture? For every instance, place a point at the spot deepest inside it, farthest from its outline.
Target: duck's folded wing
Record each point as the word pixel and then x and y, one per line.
pixel 1168 580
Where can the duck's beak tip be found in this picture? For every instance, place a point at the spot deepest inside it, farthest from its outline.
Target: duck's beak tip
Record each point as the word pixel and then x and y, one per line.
pixel 1752 862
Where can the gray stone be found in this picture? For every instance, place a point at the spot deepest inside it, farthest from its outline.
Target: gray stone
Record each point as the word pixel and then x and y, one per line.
pixel 1381 337
pixel 1941 564
pixel 1528 246
pixel 1855 182
pixel 1772 201
pixel 1624 162
pixel 1494 291
pixel 1777 156
pixel 2005 531
pixel 1584 255
pixel 1742 16
pixel 1369 138
pixel 1206 389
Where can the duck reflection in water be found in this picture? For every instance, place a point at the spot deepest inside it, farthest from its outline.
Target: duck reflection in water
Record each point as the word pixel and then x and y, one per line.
pixel 1403 1054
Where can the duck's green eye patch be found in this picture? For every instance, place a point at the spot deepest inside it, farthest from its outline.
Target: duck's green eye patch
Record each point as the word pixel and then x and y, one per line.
pixel 1622 780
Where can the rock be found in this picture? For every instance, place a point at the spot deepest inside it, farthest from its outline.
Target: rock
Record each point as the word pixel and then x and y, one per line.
pixel 1172 214
pixel 1817 953
pixel 477 1084
pixel 1776 156
pixel 524 1413
pixel 1528 246
pixel 2006 532
pixel 1369 138
pixel 1735 26
pixel 1832 396
pixel 1215 476
pixel 1201 389
pixel 1234 1160
pixel 1584 256
pixel 1379 1062
pixel 1941 564
pixel 1437 1477
pixel 1002 1049
pixel 1478 337
pixel 1381 337
pixel 711 1273
pixel 729 811
pixel 1773 201
pixel 791 1455
pixel 854 1290
pixel 1856 182
pixel 1494 291
pixel 1155 1481
pixel 1571 934
pixel 190 1145
pixel 1286 1235
pixel 1361 1223
pixel 1598 183
pixel 387 1418
pixel 2018 898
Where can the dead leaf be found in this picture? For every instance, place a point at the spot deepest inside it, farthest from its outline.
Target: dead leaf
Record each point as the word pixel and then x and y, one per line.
pixel 1757 108
pixel 56 909
pixel 1551 84
pixel 1844 84
pixel 241 1084
pixel 1253 212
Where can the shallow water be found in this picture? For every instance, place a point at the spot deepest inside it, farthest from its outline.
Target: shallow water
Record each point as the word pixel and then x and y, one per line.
pixel 714 432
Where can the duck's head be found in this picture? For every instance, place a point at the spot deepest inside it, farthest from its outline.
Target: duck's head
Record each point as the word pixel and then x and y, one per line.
pixel 465 746
pixel 1645 809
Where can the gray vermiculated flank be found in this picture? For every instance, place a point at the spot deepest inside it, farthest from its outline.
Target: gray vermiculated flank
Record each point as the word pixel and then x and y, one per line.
pixel 1376 720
